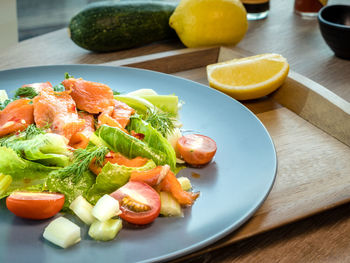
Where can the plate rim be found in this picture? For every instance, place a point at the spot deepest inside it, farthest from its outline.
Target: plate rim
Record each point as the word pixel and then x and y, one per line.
pixel 232 227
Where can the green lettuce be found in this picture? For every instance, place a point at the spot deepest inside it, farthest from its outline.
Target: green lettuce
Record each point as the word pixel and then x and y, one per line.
pixel 69 186
pixel 26 175
pixel 147 99
pixel 139 104
pixel 46 148
pixel 154 139
pixel 119 141
pixel 112 177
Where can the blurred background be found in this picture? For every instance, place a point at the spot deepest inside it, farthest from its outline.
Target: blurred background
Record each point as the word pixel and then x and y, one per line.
pixel 36 17
pixel 23 19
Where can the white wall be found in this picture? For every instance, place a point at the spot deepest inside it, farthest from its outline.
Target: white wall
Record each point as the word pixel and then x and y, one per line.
pixel 8 24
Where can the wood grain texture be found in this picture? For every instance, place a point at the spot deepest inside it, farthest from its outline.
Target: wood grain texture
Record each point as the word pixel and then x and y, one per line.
pixel 313 171
pixel 172 61
pixel 322 238
pixel 317 105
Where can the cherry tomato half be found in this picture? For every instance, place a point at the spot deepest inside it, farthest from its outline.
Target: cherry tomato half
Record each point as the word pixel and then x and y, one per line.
pixel 196 149
pixel 35 205
pixel 139 202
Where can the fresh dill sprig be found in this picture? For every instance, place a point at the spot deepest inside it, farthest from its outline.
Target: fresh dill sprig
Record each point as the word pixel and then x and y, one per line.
pixel 5 103
pixel 22 92
pixel 162 121
pixel 82 160
pixel 59 88
pixel 67 76
pixel 27 92
pixel 32 130
pixel 24 140
pixel 4 141
pixel 28 133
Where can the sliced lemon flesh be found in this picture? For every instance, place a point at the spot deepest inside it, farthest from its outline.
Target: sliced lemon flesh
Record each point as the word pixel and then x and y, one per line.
pixel 250 77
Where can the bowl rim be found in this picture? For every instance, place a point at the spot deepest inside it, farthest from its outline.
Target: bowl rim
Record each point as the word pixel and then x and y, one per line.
pixel 324 21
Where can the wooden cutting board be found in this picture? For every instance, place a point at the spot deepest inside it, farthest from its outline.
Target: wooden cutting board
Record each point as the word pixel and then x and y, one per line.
pixel 310 127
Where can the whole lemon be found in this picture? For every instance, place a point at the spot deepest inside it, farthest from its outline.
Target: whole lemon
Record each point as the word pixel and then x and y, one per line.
pixel 209 22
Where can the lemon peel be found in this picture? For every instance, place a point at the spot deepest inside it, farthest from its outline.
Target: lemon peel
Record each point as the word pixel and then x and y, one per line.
pixel 209 22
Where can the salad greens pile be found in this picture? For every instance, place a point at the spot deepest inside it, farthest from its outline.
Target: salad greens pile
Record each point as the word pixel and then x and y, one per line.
pixel 41 161
pixel 33 144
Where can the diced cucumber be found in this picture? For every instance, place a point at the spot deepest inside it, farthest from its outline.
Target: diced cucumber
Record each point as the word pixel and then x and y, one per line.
pixel 3 96
pixel 105 231
pixel 5 181
pixel 83 209
pixel 142 92
pixel 169 206
pixel 179 161
pixel 173 138
pixel 62 232
pixel 167 103
pixel 105 208
pixel 185 183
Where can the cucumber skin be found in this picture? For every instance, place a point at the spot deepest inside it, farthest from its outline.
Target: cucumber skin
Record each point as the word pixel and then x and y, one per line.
pixel 104 26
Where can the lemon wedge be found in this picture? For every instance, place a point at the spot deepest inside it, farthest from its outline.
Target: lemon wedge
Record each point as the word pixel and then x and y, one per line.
pixel 250 77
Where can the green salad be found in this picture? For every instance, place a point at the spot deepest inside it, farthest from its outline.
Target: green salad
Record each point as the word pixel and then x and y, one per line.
pixel 79 147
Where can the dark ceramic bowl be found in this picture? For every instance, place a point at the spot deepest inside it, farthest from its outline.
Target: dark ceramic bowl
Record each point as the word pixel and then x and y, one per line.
pixel 334 21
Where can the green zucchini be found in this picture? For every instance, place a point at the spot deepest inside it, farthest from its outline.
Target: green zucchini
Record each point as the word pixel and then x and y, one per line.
pixel 110 26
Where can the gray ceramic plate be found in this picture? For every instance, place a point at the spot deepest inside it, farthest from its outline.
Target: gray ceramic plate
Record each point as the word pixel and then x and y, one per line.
pixel 232 187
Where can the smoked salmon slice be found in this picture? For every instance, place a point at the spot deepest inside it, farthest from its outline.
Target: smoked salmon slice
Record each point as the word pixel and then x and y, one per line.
pixel 57 112
pixel 122 113
pixel 106 118
pixel 116 116
pixel 89 96
pixel 171 184
pixel 118 159
pixel 81 138
pixel 17 116
pixel 151 177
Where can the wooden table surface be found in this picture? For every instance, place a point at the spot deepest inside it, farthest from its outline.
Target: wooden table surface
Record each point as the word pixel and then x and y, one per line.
pixel 321 238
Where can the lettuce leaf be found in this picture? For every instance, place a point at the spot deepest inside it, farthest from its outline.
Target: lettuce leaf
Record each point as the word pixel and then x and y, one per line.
pixel 26 175
pixel 112 177
pixel 139 104
pixel 167 103
pixel 69 187
pixel 154 139
pixel 118 141
pixel 145 99
pixel 46 148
